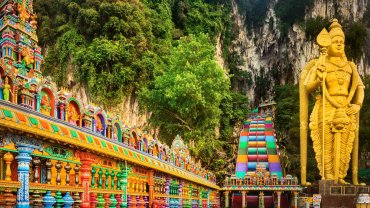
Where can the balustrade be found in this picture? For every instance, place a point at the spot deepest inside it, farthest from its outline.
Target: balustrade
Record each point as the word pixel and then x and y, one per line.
pixel 54 182
pixel 106 187
pixel 8 197
pixel 43 191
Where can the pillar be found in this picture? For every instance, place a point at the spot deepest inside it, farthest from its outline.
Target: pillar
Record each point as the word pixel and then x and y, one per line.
pixel 151 187
pixel 200 202
pixel 167 191
pixel 261 200
pixel 244 204
pixel 227 199
pixel 38 100
pixel 180 194
pixel 24 158
pixel 63 117
pixel 87 160
pixel 124 176
pixel 295 199
pixel 279 198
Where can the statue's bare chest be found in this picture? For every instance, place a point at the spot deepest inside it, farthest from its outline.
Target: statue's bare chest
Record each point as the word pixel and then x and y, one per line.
pixel 338 79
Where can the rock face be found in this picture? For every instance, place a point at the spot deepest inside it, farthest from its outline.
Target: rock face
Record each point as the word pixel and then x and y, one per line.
pixel 128 110
pixel 271 60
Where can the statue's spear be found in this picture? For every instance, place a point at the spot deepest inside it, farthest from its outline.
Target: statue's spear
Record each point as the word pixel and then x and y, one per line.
pixel 323 40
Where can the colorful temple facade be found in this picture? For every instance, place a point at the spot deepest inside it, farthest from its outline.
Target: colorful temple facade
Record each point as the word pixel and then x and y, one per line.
pixel 258 180
pixel 57 152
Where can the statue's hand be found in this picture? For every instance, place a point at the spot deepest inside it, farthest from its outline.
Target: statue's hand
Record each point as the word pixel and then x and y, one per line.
pixel 353 109
pixel 320 71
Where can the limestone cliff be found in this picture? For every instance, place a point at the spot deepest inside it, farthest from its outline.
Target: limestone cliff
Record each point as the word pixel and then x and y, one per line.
pixel 271 59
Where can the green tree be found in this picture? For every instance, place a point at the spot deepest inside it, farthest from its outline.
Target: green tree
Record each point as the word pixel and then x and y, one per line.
pixel 290 12
pixel 185 99
pixel 198 16
pixel 356 34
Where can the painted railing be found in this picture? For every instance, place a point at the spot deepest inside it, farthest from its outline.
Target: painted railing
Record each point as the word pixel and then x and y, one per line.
pixel 95 134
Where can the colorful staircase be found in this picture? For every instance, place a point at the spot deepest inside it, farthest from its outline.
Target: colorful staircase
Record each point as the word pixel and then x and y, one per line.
pixel 257 146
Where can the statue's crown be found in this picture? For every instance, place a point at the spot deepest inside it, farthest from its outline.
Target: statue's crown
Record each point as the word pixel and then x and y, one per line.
pixel 335 29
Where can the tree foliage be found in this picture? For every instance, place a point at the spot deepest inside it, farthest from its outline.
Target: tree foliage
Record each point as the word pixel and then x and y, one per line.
pixel 196 16
pixel 313 27
pixel 185 99
pixel 356 34
pixel 290 12
pixel 192 98
pixel 115 47
pixel 254 11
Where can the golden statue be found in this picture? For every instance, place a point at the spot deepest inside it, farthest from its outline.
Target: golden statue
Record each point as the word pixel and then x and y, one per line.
pixel 334 128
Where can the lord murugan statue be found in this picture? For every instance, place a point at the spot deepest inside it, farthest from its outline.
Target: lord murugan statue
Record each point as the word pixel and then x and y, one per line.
pixel 334 121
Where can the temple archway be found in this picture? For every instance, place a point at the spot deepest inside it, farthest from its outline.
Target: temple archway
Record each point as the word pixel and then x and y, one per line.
pixel 74 112
pixel 47 101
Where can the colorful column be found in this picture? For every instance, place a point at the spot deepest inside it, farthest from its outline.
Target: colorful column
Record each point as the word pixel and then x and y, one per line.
pixel 295 199
pixel 279 198
pixel 180 194
pixel 24 158
pixel 227 199
pixel 200 198
pixel 38 101
pixel 124 176
pixel 243 199
pixel 87 160
pixel 151 187
pixel 261 200
pixel 167 191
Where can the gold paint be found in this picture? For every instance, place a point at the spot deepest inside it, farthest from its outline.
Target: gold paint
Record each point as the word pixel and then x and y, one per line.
pixel 8 158
pixel 334 119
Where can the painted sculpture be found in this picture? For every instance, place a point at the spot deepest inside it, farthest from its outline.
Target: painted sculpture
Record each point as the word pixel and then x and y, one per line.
pixel 45 105
pixel 6 89
pixel 73 116
pixel 334 127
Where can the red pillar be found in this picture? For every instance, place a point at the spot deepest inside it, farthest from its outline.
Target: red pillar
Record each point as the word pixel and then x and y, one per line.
pixel 151 187
pixel 87 160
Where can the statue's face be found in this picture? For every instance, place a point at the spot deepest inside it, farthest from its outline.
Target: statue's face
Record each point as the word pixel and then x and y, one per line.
pixel 337 46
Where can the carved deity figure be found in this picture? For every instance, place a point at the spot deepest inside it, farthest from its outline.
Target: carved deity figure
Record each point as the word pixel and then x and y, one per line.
pixel 33 21
pixel 24 15
pixel 333 122
pixel 45 105
pixel 115 132
pixel 27 56
pixel 73 116
pixel 99 126
pixel 6 89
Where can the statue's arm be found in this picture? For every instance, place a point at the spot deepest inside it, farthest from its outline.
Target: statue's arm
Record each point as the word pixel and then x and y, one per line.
pixel 312 81
pixel 360 90
pixel 359 95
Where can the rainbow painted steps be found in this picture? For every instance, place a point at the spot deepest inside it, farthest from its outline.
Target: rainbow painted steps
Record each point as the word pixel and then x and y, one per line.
pixel 257 147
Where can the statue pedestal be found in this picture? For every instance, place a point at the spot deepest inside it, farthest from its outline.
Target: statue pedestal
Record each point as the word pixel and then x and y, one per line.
pixel 337 195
